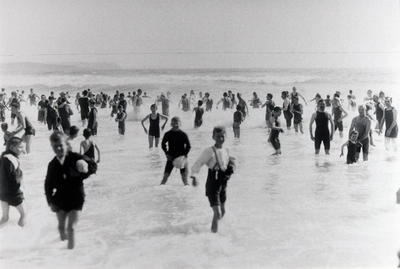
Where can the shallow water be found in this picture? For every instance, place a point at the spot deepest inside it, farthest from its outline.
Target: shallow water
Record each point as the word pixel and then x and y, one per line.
pixel 295 210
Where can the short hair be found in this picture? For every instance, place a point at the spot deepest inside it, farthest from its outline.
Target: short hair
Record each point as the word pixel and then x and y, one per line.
pixel 176 119
pixel 270 95
pixel 87 133
pixel 199 103
pixel 73 130
pixel 277 109
pixel 336 95
pixel 4 126
pixel 153 105
pixel 85 92
pixel 57 136
pixel 13 142
pixel 238 107
pixel 219 129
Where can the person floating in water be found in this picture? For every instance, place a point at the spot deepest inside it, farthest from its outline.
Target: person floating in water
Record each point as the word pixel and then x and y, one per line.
pixel 154 128
pixel 10 181
pixel 64 185
pixel 176 147
pixel 353 147
pixel 322 134
pixel 221 166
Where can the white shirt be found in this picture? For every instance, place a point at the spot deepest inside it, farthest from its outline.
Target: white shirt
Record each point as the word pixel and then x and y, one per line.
pixel 207 157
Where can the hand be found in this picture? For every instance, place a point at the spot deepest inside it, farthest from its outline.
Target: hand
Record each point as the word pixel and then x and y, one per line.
pixel 145 130
pixel 162 127
pixel 312 138
pixel 98 161
pixel 53 207
pixel 331 137
pixel 194 181
pixel 341 154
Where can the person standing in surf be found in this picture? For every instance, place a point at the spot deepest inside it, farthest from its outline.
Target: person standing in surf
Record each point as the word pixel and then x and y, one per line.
pixel 154 128
pixel 221 166
pixel 322 133
pixel 242 105
pixel 362 125
pixel 338 114
pixel 269 107
pixel 286 109
pixel 176 147
pixel 199 111
pixel 84 107
pixel 390 120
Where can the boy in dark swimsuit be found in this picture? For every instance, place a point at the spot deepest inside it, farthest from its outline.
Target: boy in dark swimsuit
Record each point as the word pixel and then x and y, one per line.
pixel 275 130
pixel 178 146
pixel 353 146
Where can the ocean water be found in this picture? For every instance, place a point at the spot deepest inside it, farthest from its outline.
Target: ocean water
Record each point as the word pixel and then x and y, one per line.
pixel 294 210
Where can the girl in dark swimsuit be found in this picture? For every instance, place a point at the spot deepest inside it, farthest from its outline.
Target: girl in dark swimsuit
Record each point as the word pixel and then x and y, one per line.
pixel 88 146
pixel 154 128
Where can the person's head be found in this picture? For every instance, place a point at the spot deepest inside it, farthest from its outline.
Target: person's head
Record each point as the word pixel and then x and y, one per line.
pixel 238 107
pixel 92 103
pixel 388 101
pixel 361 110
pixel 31 90
pixel 225 94
pixel 283 95
pixel 328 97
pixel 175 123
pixel 85 93
pixel 133 93
pixel 153 108
pixel 120 108
pixel 381 94
pixel 317 96
pixel 207 94
pixel 369 93
pixel 354 135
pixel 269 96
pixel 14 144
pixel 295 100
pixel 145 94
pixel 219 135
pixel 294 89
pixel 14 94
pixel 87 133
pixel 4 126
pixel 139 91
pixel 239 96
pixel 255 94
pixel 350 91
pixel 321 105
pixel 73 131
pixel 43 97
pixel 121 95
pixel 191 92
pixel 277 111
pixel 58 144
pixel 199 103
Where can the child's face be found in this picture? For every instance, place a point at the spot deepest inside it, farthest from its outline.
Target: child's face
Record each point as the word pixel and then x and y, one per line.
pixel 17 149
pixel 353 137
pixel 59 148
pixel 219 138
pixel 153 109
pixel 175 124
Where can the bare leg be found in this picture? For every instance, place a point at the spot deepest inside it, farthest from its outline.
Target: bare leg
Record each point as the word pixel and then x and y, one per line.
pixel 316 151
pixel 61 216
pixel 72 221
pixel 296 128
pixel 5 207
pixel 21 221
pixel 156 140
pixel 365 156
pixel 165 178
pixel 327 151
pixel 27 140
pixel 184 173
pixel 151 141
pixel 216 217
pixel 222 210
pixel 301 127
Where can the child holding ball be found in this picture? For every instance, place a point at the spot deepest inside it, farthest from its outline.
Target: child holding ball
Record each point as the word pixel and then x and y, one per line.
pixel 64 185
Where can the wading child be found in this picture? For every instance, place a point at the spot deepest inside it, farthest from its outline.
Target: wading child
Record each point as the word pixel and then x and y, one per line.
pixel 353 148
pixel 237 120
pixel 88 146
pixel 121 116
pixel 199 111
pixel 297 110
pixel 154 128
pixel 64 185
pixel 276 129
pixel 177 150
pixel 7 134
pixel 10 180
pixel 220 167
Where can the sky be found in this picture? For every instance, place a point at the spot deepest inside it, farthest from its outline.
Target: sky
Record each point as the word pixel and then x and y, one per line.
pixel 207 33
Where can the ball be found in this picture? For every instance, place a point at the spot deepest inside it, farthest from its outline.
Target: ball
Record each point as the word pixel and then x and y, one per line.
pixel 82 166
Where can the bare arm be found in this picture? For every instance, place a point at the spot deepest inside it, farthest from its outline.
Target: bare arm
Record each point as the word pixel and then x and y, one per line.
pixel 98 152
pixel 145 118
pixel 344 112
pixel 344 145
pixel 351 126
pixel 311 124
pixel 166 120
pixel 332 125
pixel 21 125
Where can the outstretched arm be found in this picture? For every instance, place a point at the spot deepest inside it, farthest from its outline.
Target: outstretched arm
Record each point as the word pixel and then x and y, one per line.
pixel 166 120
